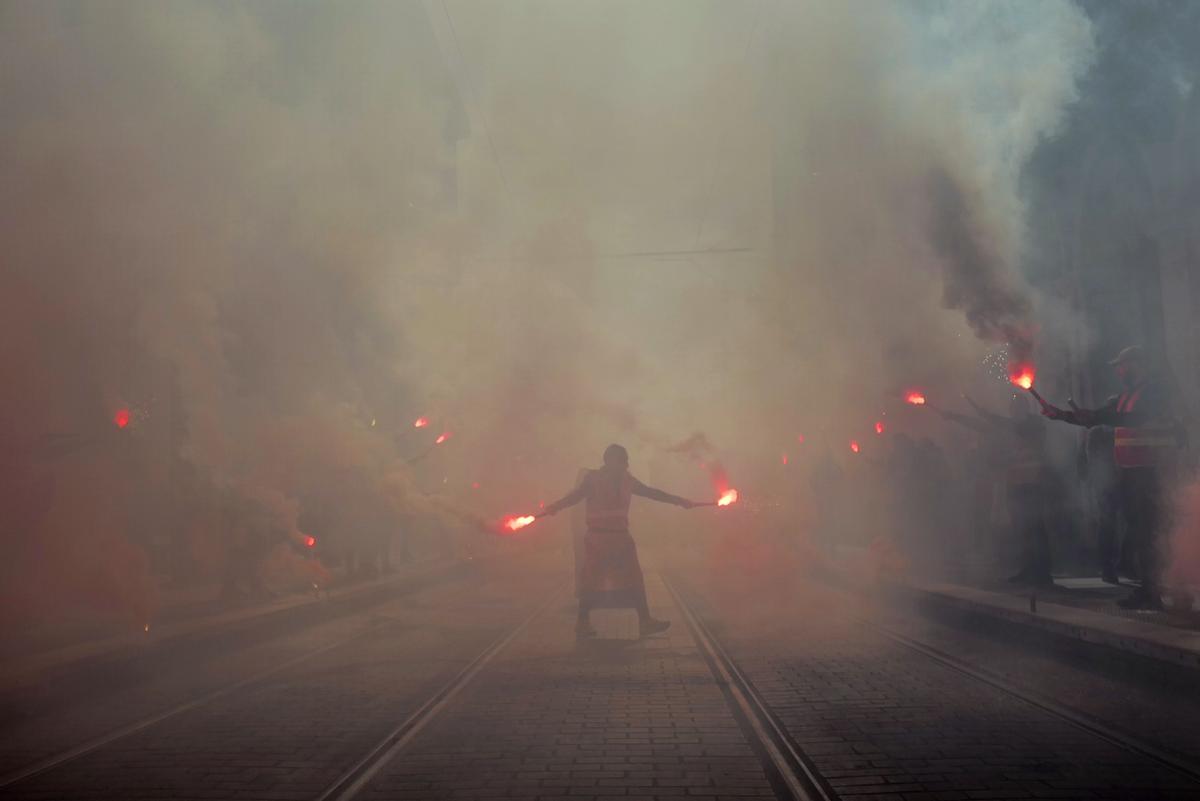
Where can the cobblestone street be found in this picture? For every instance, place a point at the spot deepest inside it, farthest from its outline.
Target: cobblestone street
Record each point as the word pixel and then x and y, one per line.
pixel 477 688
pixel 600 400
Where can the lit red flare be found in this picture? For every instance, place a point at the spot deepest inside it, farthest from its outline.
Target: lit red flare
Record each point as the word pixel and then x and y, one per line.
pixel 915 398
pixel 854 445
pixel 879 427
pixel 121 418
pixel 800 438
pixel 728 497
pixel 420 422
pixel 518 523
pixel 783 457
pixel 1022 375
pixel 310 542
pixel 442 437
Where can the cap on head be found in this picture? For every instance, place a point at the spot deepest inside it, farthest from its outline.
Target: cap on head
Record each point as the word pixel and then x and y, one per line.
pixel 616 456
pixel 1131 354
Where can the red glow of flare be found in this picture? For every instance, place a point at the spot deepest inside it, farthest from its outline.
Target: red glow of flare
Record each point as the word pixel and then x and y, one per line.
pixel 728 497
pixel 783 458
pixel 445 435
pixel 1022 375
pixel 420 422
pixel 517 523
pixel 879 427
pixel 915 398
pixel 541 504
pixel 800 438
pixel 474 485
pixel 310 542
pixel 854 445
pixel 121 418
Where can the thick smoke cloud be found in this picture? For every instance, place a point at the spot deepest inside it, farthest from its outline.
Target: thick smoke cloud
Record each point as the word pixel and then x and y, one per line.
pixel 974 282
pixel 279 232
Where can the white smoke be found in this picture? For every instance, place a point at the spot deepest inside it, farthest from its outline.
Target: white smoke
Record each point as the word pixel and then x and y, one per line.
pixel 244 208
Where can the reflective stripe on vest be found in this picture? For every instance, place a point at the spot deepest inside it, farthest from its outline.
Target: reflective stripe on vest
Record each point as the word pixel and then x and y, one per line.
pixel 1143 446
pixel 1128 400
pixel 608 504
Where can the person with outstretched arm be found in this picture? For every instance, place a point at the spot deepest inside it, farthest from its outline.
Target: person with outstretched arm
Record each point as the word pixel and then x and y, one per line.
pixel 1146 440
pixel 610 563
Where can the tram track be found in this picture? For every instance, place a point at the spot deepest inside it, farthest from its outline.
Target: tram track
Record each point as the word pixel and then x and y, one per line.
pixel 352 781
pixel 119 733
pixel 353 778
pixel 794 773
pixel 789 769
pixel 1097 728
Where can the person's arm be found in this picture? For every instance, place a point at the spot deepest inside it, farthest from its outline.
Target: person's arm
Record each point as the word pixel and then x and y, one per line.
pixel 643 491
pixel 1106 415
pixel 570 499
pixel 972 423
pixel 986 415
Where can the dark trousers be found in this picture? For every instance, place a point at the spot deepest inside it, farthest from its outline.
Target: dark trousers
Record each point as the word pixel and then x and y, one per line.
pixel 1107 507
pixel 1140 494
pixel 1027 509
pixel 611 576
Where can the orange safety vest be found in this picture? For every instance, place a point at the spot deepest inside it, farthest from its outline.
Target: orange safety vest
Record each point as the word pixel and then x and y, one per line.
pixel 608 504
pixel 1143 446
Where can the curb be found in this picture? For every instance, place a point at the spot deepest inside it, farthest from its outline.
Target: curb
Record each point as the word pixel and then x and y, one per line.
pixel 1176 646
pixel 292 610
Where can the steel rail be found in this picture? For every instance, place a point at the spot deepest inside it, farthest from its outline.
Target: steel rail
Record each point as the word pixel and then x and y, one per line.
pixel 350 783
pixel 757 710
pixel 793 768
pixel 128 730
pixel 1095 727
pixel 118 733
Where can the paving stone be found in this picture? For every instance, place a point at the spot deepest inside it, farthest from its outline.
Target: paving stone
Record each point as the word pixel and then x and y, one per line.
pixel 662 728
pixel 879 720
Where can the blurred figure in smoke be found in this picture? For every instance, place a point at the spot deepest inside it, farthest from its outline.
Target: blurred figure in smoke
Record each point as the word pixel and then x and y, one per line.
pixel 368 553
pixel 579 537
pixel 1028 481
pixel 1145 444
pixel 937 498
pixel 826 484
pixel 1099 472
pixel 905 482
pixel 610 568
pixel 983 470
pixel 250 538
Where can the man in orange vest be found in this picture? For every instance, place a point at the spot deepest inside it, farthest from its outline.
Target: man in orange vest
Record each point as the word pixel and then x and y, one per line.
pixel 1145 441
pixel 610 563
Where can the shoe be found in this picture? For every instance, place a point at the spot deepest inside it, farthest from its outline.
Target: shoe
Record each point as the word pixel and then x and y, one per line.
pixel 652 626
pixel 1142 600
pixel 1110 577
pixel 584 631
